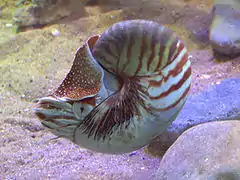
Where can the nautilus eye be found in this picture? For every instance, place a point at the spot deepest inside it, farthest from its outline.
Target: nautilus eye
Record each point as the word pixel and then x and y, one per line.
pixel 125 87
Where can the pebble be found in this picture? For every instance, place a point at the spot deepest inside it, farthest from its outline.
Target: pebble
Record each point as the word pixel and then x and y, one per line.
pixel 205 76
pixel 55 32
pixel 9 25
pixel 112 17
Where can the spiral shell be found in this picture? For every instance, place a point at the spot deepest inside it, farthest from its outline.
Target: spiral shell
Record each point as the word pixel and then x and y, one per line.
pixel 141 72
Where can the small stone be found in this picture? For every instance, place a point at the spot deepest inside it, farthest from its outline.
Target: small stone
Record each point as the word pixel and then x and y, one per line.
pixel 26 110
pixel 8 25
pixel 205 76
pixel 55 32
pixel 112 17
pixel 33 136
pixel 133 153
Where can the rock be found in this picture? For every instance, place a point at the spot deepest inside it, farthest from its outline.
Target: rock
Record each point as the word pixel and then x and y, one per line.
pixel 8 25
pixel 91 2
pixel 199 28
pixel 55 32
pixel 209 151
pixel 224 31
pixel 216 103
pixel 219 102
pixel 44 12
pixel 22 2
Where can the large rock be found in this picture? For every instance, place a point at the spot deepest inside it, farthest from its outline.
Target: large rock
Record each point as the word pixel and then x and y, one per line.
pixel 218 102
pixel 209 151
pixel 43 12
pixel 224 31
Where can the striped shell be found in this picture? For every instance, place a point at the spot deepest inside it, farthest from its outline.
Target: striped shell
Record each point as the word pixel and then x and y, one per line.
pixel 125 88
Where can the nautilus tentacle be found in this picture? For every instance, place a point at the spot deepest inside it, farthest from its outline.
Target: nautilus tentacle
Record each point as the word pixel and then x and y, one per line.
pixel 125 87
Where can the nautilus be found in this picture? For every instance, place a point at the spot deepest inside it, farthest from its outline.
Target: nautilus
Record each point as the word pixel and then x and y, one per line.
pixel 125 87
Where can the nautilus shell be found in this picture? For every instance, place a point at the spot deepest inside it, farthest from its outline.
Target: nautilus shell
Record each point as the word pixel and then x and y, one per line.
pixel 125 87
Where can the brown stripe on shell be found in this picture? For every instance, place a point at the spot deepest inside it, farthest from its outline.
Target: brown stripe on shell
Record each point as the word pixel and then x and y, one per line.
pixel 153 44
pixel 125 41
pixel 153 83
pixel 165 37
pixel 109 52
pixel 173 49
pixel 184 94
pixel 160 54
pixel 111 64
pixel 174 87
pixel 177 102
pixel 177 50
pixel 178 68
pixel 173 73
pixel 139 67
pixel 40 115
pixel 128 54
